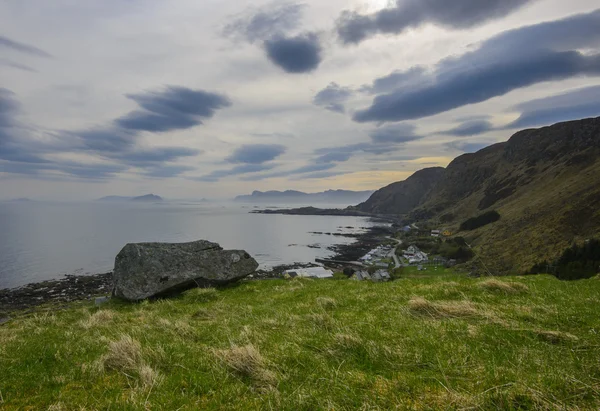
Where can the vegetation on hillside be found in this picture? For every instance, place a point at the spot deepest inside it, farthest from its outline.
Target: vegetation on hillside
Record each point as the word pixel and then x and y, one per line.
pixel 544 182
pixel 435 341
pixel 480 221
pixel 576 262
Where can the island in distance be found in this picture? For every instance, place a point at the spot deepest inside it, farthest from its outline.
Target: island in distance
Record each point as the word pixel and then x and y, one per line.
pixel 148 198
pixel 299 197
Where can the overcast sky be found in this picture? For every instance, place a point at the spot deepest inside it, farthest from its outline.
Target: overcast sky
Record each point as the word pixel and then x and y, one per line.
pixel 214 98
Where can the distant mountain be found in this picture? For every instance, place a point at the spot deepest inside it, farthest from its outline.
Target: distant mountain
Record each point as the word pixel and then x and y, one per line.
pixel 543 182
pixel 299 197
pixel 144 198
pixel 147 198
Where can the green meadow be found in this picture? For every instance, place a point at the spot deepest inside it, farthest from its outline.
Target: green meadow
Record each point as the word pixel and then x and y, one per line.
pixel 430 340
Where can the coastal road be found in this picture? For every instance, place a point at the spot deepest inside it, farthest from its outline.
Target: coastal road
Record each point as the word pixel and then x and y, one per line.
pixel 393 253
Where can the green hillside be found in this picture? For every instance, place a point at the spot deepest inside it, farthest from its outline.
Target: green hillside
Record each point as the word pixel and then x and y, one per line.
pixel 437 341
pixel 545 183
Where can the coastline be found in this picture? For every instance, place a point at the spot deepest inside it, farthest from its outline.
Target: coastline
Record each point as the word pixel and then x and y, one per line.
pixel 85 287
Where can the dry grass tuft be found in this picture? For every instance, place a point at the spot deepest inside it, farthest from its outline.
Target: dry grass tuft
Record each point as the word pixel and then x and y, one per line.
pixel 148 376
pixel 326 303
pixel 101 317
pixel 453 309
pixel 322 320
pixel 124 354
pixel 555 337
pixel 247 361
pixel 347 341
pixel 502 286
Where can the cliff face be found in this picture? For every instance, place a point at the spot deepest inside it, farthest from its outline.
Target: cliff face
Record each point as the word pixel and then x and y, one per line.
pixel 545 183
pixel 404 196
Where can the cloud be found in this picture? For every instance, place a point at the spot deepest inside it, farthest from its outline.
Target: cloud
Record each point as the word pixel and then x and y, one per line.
pixel 299 54
pixel 322 174
pixel 511 60
pixel 572 105
pixel 310 168
pixel 273 135
pixel 333 157
pixel 271 25
pixel 353 27
pixel 116 143
pixel 396 134
pixel 174 108
pixel 333 97
pixel 22 47
pixel 395 80
pixel 256 153
pixel 235 171
pixel 167 171
pixel 470 128
pixel 104 140
pixel 15 65
pixel 261 24
pixel 149 157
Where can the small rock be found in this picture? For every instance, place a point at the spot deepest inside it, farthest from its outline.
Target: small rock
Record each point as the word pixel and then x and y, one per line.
pixel 101 300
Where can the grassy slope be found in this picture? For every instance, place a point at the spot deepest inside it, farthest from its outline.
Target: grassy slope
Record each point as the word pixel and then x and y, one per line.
pixel 435 341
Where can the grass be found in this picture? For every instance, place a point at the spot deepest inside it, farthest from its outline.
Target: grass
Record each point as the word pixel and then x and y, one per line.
pixel 426 341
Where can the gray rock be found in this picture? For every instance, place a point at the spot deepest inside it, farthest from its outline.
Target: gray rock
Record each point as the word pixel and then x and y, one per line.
pixel 144 270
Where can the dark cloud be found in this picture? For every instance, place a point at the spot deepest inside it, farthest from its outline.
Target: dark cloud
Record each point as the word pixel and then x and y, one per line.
pixel 149 157
pixel 22 47
pixel 174 108
pixel 8 107
pixel 514 59
pixel 395 134
pixel 353 27
pixel 261 24
pixel 572 105
pixel 117 143
pixel 333 97
pixel 104 140
pixel 396 80
pixel 15 65
pixel 235 171
pixel 167 171
pixel 256 153
pixel 299 54
pixel 470 128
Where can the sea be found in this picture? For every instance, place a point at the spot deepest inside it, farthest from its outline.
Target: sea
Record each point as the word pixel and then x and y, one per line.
pixel 43 241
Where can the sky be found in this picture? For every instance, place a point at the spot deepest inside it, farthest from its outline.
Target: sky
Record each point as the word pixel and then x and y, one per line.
pixel 211 99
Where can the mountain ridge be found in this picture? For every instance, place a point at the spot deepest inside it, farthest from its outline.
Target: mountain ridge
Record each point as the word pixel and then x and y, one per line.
pixel 544 183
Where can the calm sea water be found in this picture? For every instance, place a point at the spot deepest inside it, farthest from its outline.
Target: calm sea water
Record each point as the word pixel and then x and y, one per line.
pixel 42 241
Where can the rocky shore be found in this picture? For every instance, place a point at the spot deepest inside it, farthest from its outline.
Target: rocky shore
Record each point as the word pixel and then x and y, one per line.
pixel 77 288
pixel 71 288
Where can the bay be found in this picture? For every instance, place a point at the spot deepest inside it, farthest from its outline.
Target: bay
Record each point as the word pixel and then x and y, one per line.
pixel 43 241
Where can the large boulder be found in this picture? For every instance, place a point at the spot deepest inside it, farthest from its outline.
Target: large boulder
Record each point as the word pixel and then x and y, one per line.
pixel 144 270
